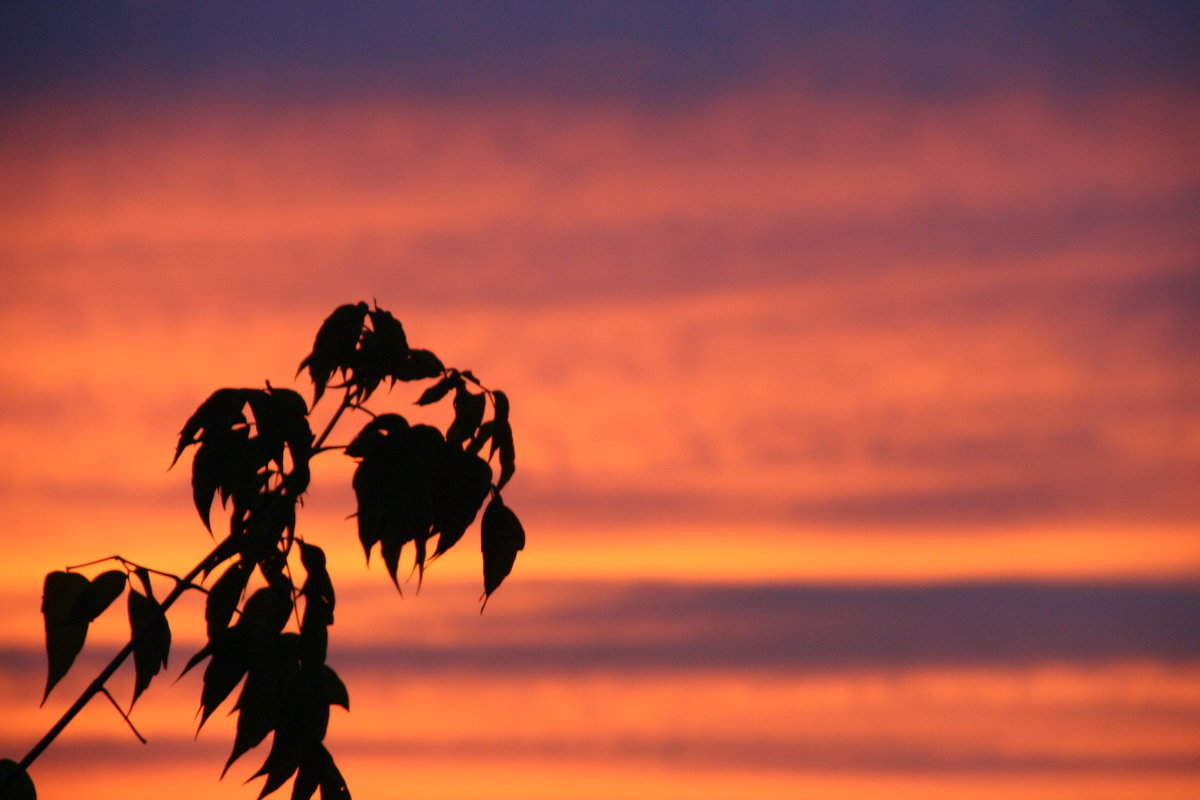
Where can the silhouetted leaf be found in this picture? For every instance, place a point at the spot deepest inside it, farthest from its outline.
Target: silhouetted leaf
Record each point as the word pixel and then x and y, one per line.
pixel 381 354
pixel 224 595
pixel 60 594
pixel 270 518
pixel 221 412
pixel 270 677
pixel 284 758
pixel 335 691
pixel 481 437
pixel 19 784
pixel 100 593
pixel 334 346
pixel 267 609
pixel 318 606
pixel 440 389
pixel 308 778
pixel 461 486
pixel 229 661
pixel 281 418
pixel 501 537
pixel 502 439
pixel 468 414
pixel 418 364
pixel 392 484
pixel 317 769
pixel 229 464
pixel 151 650
pixel 200 655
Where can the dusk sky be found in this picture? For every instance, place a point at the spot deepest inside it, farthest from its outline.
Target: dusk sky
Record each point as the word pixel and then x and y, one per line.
pixel 852 350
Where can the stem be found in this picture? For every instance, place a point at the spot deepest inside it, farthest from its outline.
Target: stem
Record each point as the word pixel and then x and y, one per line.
pixel 97 685
pixel 124 716
pixel 332 421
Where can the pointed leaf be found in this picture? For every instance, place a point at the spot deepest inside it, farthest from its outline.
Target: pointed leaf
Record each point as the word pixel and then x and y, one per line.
pixel 16 782
pixel 418 364
pixel 225 670
pixel 259 706
pixel 502 438
pixel 389 333
pixel 463 482
pixel 219 413
pixel 153 646
pixel 481 437
pixel 440 389
pixel 224 596
pixel 468 414
pixel 333 785
pixel 502 537
pixel 334 345
pixel 200 655
pixel 60 594
pixel 334 689
pixel 308 778
pixel 267 609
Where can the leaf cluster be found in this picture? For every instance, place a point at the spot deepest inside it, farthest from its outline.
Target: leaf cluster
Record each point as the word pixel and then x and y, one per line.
pixel 253 448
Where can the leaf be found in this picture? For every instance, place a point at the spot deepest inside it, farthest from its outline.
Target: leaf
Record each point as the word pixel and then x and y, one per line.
pixel 16 782
pixel 217 466
pixel 267 610
pixel 220 412
pixel 418 364
pixel 281 418
pixel 393 485
pixel 502 438
pixel 334 346
pixel 468 414
pixel 200 655
pixel 308 778
pixel 501 538
pixel 223 597
pixel 283 760
pixel 101 592
pixel 462 484
pixel 481 437
pixel 151 649
pixel 318 606
pixel 64 639
pixel 389 334
pixel 440 389
pixel 333 785
pixel 334 690
pixel 272 667
pixel 228 665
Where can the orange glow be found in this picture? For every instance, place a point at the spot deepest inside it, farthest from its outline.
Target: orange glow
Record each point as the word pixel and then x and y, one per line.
pixel 762 341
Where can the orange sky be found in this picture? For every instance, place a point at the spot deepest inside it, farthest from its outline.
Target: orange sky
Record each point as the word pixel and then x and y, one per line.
pixel 856 421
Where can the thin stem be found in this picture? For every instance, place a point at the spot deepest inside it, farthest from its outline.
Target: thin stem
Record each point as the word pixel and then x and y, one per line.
pixel 97 561
pixel 332 421
pixel 124 716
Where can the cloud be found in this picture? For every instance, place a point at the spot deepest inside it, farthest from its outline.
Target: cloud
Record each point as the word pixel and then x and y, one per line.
pixel 651 52
pixel 553 627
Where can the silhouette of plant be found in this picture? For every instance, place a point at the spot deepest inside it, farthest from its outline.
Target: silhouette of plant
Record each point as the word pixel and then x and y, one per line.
pixel 253 449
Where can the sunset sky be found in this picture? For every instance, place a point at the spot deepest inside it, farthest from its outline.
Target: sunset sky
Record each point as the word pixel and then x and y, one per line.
pixel 852 350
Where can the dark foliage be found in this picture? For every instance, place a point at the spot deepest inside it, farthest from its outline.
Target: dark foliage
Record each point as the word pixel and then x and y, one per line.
pixel 253 449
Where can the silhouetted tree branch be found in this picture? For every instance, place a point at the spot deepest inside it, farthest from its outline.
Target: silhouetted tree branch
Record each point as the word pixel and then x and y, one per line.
pixel 253 449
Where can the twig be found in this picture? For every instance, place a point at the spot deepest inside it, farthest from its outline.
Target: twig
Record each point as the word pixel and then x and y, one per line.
pixel 124 716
